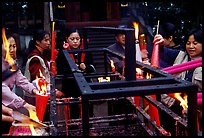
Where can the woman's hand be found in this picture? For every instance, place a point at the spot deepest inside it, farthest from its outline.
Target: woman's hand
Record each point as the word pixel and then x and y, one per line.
pixel 59 93
pixel 7 114
pixel 30 107
pixel 35 91
pixel 158 39
pixel 82 66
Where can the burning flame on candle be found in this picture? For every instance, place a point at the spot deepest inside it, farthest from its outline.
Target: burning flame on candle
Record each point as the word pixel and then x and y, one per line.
pixel 101 79
pixel 183 101
pixel 41 84
pixel 148 76
pixel 142 42
pixel 136 26
pixel 138 71
pixel 6 44
pixel 112 65
pixel 139 74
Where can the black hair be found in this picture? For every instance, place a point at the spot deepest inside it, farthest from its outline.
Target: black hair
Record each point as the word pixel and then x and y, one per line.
pixel 70 31
pixel 120 29
pixel 37 36
pixel 197 35
pixel 169 29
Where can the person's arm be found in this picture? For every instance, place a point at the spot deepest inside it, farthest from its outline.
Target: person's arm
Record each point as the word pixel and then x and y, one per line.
pixel 7 114
pixel 10 99
pixel 168 55
pixel 23 83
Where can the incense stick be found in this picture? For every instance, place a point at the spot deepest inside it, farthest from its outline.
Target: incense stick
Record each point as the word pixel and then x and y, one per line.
pixel 157 27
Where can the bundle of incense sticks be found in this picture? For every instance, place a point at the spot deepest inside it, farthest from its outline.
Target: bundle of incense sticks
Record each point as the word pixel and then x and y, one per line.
pixel 184 66
pixel 199 98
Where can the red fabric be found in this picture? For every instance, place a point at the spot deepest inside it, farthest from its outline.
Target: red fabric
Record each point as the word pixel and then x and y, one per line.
pixel 35 65
pixel 66 46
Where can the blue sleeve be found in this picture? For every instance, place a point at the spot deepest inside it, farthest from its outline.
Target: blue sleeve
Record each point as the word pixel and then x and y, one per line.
pixel 167 56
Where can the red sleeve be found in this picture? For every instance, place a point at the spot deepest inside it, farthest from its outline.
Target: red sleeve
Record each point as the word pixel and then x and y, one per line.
pixel 34 68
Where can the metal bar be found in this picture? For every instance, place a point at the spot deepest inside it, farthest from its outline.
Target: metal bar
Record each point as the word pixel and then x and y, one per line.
pixel 160 83
pixel 122 83
pixel 130 56
pixel 137 91
pixel 85 116
pixel 192 113
pixel 53 108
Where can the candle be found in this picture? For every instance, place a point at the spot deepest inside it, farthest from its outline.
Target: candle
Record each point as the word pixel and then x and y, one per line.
pixel 112 66
pixel 199 101
pixel 199 60
pixel 184 68
pixel 53 43
pixel 41 104
pixel 155 56
pixel 136 26
pixel 153 111
pixel 83 54
pixel 142 42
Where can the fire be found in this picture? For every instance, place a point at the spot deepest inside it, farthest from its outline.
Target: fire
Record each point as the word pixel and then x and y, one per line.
pixel 148 76
pixel 182 100
pixel 6 44
pixel 136 26
pixel 101 79
pixel 112 66
pixel 139 71
pixel 41 84
pixel 34 117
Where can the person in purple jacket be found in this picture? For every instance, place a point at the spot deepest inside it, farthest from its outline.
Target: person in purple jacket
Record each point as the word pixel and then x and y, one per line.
pixel 9 80
pixel 9 98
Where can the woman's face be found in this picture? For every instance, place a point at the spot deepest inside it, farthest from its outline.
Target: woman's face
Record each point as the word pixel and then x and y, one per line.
pixel 74 40
pixel 12 47
pixel 193 47
pixel 45 43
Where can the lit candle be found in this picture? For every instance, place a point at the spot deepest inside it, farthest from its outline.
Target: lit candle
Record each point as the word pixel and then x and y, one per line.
pixel 137 45
pixel 136 26
pixel 53 42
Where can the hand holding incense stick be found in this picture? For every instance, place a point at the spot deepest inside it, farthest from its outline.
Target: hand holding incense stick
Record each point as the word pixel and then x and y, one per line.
pixel 155 53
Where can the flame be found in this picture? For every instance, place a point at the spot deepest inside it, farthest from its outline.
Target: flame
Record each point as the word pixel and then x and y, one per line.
pixel 108 79
pixel 142 41
pixel 148 76
pixel 41 83
pixel 136 26
pixel 183 101
pixel 34 117
pixel 138 71
pixel 112 65
pixel 6 44
pixel 101 79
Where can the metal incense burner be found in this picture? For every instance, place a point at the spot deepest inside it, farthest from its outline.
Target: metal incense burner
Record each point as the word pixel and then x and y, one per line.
pixel 160 83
